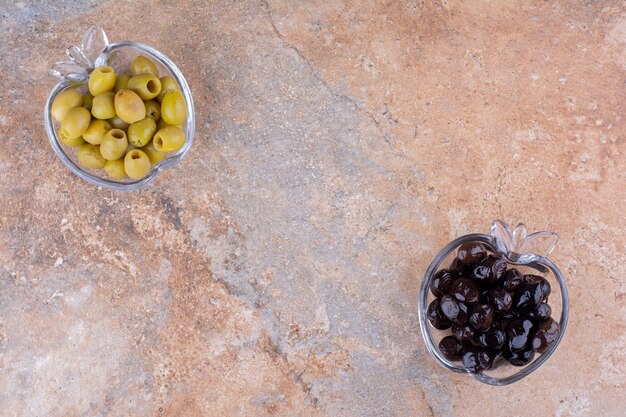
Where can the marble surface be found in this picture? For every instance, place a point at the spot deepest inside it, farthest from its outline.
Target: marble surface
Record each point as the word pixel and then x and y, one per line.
pixel 339 146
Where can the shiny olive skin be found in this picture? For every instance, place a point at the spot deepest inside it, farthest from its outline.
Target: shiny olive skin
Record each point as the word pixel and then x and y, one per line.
pixel 450 348
pixel 64 102
pixel 440 284
pixel 168 84
pixel 143 65
pixel 169 139
pixel 96 130
pixel 121 81
pixel 70 142
pixel 140 133
pixel 101 80
pixel 89 156
pixel 546 335
pixel 75 122
pixel 435 316
pixel 471 252
pixel 88 101
pixel 153 110
pixel 115 169
pixel 118 123
pixel 129 106
pixel 114 144
pixel 103 107
pixel 136 164
pixel 173 109
pixel 147 86
pixel 154 155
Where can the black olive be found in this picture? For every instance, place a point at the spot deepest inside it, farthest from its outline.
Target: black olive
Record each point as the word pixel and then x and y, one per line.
pixel 512 280
pixel 440 285
pixel 543 283
pixel 546 335
pixel 481 317
pixel 436 317
pixel 476 359
pixel 489 270
pixel 450 348
pixel 493 338
pixel 518 333
pixel 465 290
pixel 463 332
pixel 519 358
pixel 527 298
pixel 471 252
pixel 499 299
pixel 541 313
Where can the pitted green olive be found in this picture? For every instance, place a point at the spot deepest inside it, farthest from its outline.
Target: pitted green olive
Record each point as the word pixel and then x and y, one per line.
pixel 115 169
pixel 169 139
pixel 64 102
pixel 89 156
pixel 168 84
pixel 113 145
pixel 129 106
pixel 147 86
pixel 140 133
pixel 173 109
pixel 96 130
pixel 103 106
pixel 101 80
pixel 142 65
pixel 70 142
pixel 136 164
pixel 75 122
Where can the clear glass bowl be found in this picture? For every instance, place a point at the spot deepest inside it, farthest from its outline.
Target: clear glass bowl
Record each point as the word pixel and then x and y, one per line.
pixel 521 251
pixel 96 51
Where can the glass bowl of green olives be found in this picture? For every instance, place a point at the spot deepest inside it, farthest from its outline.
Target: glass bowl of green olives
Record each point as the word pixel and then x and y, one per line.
pixel 120 114
pixel 494 306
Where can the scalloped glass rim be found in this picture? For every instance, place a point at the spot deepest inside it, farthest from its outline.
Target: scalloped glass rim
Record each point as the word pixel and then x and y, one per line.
pixel 156 169
pixel 428 335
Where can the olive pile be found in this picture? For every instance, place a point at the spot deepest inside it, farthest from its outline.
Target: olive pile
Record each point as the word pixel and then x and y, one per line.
pixel 126 123
pixel 494 313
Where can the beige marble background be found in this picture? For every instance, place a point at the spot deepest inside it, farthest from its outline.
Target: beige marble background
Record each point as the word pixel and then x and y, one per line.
pixel 339 145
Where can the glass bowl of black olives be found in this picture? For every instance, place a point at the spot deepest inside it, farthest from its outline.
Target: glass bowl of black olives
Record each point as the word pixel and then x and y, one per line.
pixel 494 306
pixel 120 114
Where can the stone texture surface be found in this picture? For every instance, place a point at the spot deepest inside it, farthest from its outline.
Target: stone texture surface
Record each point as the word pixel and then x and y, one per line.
pixel 339 145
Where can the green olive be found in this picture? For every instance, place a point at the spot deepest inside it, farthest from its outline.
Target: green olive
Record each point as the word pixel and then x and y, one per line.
pixel 153 110
pixel 161 124
pixel 71 142
pixel 154 155
pixel 129 106
pixel 104 106
pixel 96 130
pixel 143 65
pixel 140 133
pixel 147 86
pixel 121 81
pixel 87 101
pixel 118 123
pixel 136 164
pixel 65 101
pixel 75 122
pixel 168 84
pixel 173 109
pixel 89 156
pixel 115 169
pixel 169 139
pixel 114 144
pixel 101 80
